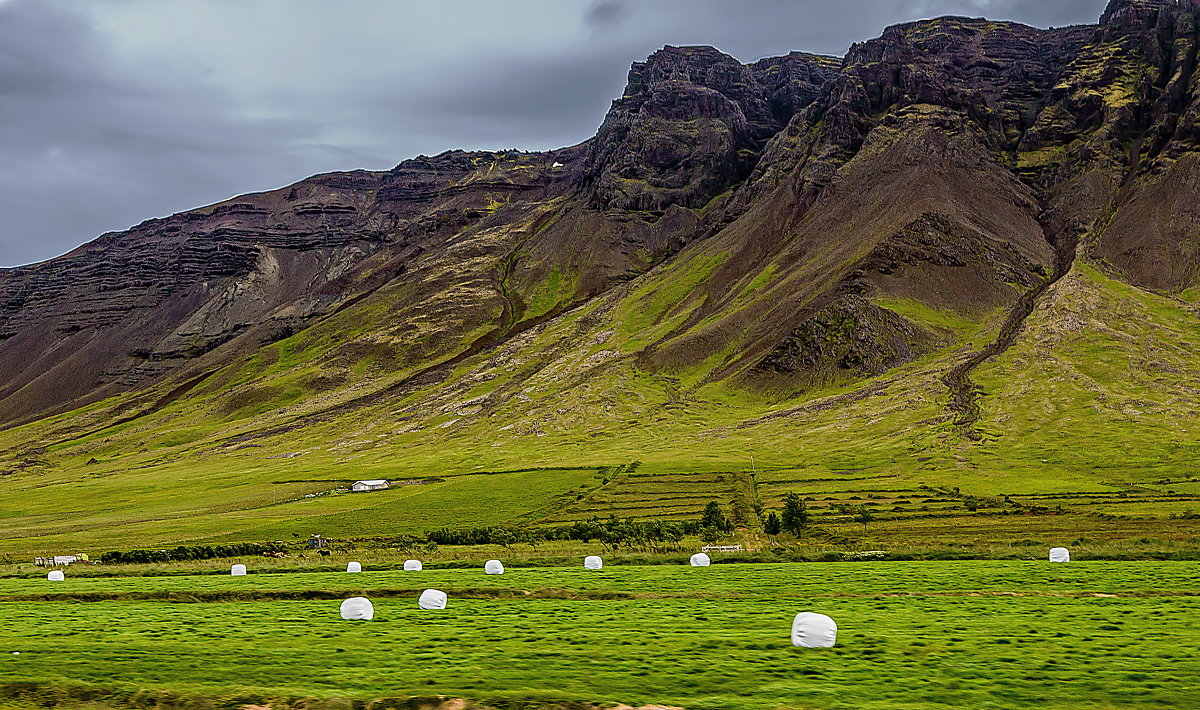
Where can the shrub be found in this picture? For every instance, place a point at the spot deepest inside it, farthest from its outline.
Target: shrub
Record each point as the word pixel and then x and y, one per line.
pixel 712 517
pixel 193 552
pixel 795 514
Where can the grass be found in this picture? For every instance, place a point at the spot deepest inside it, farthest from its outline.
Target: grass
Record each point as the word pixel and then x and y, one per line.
pixel 1089 426
pixel 547 294
pixel 942 320
pixel 247 512
pixel 665 299
pixel 1118 391
pixel 972 634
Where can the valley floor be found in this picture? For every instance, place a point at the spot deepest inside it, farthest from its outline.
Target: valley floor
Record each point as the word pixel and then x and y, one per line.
pixel 976 634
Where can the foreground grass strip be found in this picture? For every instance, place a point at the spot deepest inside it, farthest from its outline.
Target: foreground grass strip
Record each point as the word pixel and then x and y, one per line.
pixel 956 652
pixel 911 635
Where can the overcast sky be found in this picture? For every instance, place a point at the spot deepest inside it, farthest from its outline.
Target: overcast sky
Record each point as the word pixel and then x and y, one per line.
pixel 115 111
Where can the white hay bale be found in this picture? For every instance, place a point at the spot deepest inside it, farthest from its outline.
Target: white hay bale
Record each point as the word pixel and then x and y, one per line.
pixel 493 567
pixel 432 599
pixel 811 630
pixel 593 562
pixel 354 567
pixel 412 566
pixel 56 575
pixel 358 609
pixel 238 570
pixel 700 559
pixel 1060 554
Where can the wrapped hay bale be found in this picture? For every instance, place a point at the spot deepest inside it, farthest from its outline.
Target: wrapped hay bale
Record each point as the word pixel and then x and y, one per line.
pixel 811 630
pixel 358 609
pixel 493 567
pixel 700 559
pixel 56 575
pixel 432 599
pixel 593 562
pixel 1060 554
pixel 412 566
pixel 238 570
pixel 354 567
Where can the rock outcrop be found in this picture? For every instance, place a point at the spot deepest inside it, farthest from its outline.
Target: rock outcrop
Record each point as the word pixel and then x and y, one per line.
pixel 692 122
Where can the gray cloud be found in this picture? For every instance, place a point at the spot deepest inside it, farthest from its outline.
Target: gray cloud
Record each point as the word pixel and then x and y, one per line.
pixel 605 13
pixel 114 112
pixel 88 148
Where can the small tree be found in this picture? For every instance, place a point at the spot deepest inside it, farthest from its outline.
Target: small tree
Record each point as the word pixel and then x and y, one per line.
pixel 714 518
pixel 533 537
pixel 863 514
pixel 739 513
pixel 795 514
pixel 504 538
pixel 771 525
pixel 709 535
pixel 672 533
pixel 408 543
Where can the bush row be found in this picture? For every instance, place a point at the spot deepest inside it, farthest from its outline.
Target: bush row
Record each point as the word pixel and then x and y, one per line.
pixel 191 552
pixel 614 533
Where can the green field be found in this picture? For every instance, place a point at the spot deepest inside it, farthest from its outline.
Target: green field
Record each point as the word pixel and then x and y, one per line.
pixel 911 635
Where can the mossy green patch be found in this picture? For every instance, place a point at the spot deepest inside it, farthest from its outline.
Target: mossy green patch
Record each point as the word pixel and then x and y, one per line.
pixel 658 304
pixel 939 319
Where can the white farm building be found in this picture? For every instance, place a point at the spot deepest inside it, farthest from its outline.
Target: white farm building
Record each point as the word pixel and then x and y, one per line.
pixel 377 484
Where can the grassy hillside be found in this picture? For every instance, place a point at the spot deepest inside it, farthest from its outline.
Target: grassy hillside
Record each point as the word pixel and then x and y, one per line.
pixel 1089 426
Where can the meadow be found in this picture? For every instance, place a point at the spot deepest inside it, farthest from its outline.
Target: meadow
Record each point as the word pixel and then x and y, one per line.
pixel 979 634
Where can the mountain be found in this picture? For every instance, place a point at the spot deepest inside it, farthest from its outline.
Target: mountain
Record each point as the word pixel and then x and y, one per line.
pixel 962 262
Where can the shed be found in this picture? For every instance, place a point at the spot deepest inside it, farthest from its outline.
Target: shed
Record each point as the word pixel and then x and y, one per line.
pixel 375 484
